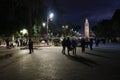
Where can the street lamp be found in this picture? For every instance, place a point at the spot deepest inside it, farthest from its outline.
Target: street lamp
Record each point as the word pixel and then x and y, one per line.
pixel 50 16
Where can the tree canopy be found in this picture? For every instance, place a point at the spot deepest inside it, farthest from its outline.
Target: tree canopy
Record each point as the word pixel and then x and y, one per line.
pixel 108 28
pixel 16 14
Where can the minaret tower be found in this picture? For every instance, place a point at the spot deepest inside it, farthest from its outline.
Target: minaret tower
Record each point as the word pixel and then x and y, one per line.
pixel 86 29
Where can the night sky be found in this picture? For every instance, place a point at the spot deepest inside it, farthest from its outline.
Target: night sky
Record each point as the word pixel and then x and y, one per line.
pixel 95 10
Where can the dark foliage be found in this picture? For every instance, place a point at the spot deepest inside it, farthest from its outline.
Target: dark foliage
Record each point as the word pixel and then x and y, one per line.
pixel 109 28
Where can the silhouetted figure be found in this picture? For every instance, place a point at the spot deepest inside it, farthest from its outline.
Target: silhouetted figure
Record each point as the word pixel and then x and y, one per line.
pixel 104 41
pixel 17 42
pixel 91 44
pixel 21 42
pixel 97 42
pixel 68 44
pixel 64 45
pixel 87 42
pixel 83 44
pixel 74 45
pixel 30 45
pixel 7 43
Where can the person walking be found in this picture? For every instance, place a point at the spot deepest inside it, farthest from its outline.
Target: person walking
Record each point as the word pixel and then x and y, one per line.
pixel 64 45
pixel 97 41
pixel 68 44
pixel 7 43
pixel 30 45
pixel 74 45
pixel 83 44
pixel 91 44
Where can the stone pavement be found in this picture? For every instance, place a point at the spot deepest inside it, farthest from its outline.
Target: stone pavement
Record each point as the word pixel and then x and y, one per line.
pixel 4 51
pixel 102 63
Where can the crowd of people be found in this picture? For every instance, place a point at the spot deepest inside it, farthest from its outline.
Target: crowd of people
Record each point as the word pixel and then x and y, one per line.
pixel 20 43
pixel 70 43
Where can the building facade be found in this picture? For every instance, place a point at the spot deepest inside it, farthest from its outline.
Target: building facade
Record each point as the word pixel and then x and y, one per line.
pixel 86 29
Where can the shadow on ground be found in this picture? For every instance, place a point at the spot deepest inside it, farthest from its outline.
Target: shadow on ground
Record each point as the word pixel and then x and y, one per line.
pixel 82 60
pixel 97 55
pixel 6 56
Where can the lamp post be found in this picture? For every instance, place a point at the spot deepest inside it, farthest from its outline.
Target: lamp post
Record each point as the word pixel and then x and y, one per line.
pixel 50 16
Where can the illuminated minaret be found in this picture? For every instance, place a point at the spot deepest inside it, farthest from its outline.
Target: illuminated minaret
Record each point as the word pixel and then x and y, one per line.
pixel 86 28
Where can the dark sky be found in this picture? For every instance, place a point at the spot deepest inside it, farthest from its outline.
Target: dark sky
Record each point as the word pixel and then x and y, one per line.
pixel 94 10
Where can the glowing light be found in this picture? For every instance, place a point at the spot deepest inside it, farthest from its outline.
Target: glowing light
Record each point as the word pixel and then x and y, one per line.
pixel 43 24
pixel 51 15
pixel 24 31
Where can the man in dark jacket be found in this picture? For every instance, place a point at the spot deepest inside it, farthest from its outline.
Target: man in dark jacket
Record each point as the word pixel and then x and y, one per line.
pixel 83 44
pixel 64 45
pixel 68 44
pixel 74 45
pixel 91 44
pixel 30 45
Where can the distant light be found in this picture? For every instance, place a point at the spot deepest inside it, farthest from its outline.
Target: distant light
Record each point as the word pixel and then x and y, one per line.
pixel 62 26
pixel 66 26
pixel 24 31
pixel 43 24
pixel 51 15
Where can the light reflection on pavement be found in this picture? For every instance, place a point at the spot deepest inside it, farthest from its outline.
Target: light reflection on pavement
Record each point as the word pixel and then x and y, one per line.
pixel 48 63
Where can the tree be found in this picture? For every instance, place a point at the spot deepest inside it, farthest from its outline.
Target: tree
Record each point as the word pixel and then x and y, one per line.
pixel 108 28
pixel 55 26
pixel 116 23
pixel 16 14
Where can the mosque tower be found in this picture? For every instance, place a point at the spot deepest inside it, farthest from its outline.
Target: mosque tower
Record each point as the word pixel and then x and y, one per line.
pixel 86 28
